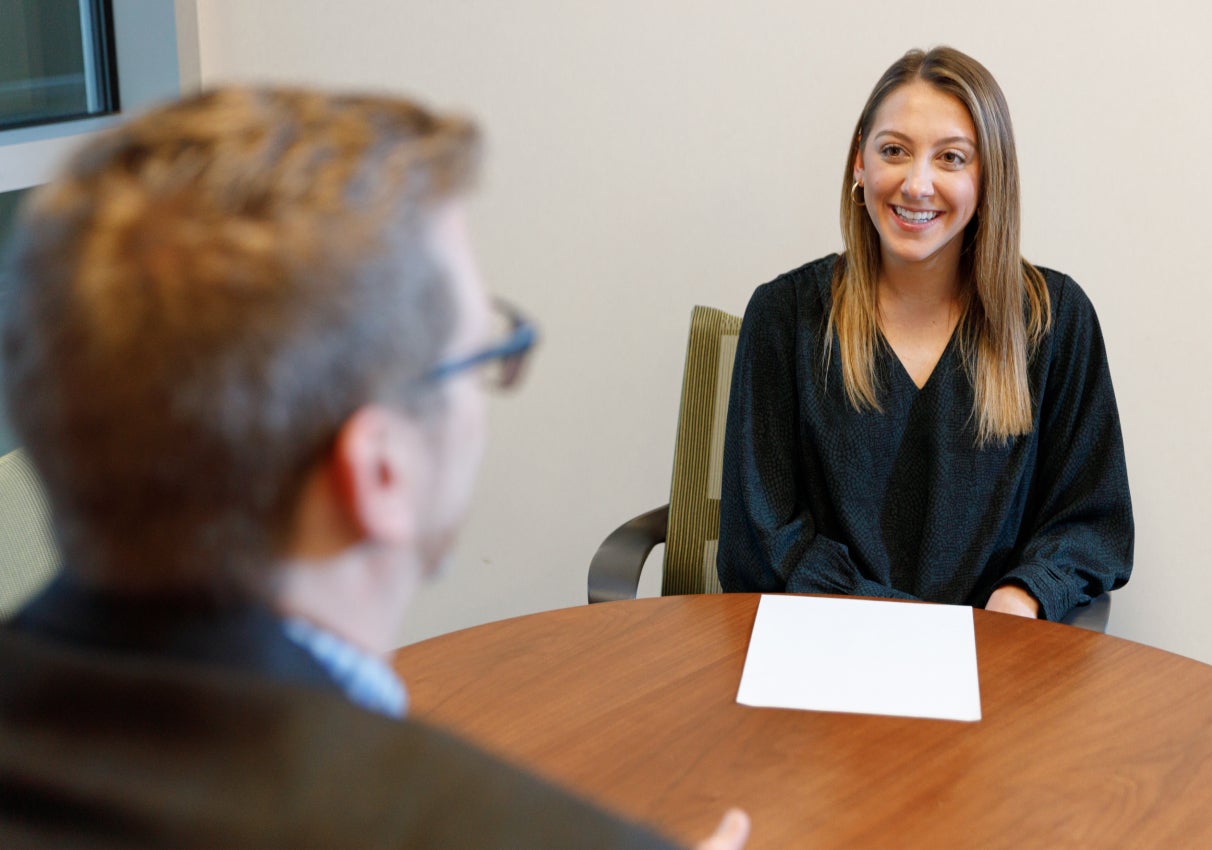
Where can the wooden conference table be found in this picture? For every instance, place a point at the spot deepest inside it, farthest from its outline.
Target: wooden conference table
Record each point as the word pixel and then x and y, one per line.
pixel 1087 740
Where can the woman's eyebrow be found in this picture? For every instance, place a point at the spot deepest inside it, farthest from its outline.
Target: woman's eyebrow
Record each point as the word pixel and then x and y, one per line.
pixel 949 140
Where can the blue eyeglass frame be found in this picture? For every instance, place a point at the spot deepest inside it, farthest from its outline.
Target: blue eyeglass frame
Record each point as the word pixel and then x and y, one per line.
pixel 512 350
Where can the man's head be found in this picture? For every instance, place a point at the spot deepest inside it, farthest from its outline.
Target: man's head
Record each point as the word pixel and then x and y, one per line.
pixel 203 303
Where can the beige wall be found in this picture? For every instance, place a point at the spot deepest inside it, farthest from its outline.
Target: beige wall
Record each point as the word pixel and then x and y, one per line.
pixel 647 156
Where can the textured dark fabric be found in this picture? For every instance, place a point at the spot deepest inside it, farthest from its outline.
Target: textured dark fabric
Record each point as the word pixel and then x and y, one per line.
pixel 193 629
pixel 819 498
pixel 136 743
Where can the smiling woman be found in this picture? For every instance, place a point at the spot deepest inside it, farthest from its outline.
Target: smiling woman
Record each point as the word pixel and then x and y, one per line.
pixel 927 416
pixel 920 176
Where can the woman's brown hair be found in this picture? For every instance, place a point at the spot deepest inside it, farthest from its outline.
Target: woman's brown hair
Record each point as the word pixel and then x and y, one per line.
pixel 1006 308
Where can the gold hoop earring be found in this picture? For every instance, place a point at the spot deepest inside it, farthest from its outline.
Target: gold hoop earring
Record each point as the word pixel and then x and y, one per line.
pixel 854 194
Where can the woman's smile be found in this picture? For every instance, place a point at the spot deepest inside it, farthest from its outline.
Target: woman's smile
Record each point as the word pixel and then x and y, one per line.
pixel 920 172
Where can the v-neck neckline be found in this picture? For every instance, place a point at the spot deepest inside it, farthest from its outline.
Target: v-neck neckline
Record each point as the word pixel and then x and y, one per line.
pixel 904 372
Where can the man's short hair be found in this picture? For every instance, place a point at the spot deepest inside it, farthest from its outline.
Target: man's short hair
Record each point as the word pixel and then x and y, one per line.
pixel 202 299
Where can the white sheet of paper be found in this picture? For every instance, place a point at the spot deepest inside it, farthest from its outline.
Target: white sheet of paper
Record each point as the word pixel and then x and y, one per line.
pixel 862 656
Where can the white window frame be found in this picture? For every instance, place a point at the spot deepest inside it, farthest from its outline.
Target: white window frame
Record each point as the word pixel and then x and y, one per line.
pixel 156 44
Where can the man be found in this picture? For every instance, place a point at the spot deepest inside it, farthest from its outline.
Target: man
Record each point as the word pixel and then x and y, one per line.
pixel 245 346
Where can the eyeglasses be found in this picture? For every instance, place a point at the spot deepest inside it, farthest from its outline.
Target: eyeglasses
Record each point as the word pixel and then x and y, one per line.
pixel 502 361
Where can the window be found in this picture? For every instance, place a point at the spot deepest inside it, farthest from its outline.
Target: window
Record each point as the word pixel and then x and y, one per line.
pixel 8 208
pixel 55 61
pixel 65 65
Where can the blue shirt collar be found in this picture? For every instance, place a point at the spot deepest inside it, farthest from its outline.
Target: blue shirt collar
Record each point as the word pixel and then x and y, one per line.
pixel 366 679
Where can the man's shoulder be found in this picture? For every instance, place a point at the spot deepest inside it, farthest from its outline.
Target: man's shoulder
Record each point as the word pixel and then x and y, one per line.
pixel 145 753
pixel 474 799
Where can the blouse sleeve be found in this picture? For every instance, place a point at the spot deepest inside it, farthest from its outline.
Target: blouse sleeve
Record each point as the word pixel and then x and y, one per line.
pixel 1078 531
pixel 768 538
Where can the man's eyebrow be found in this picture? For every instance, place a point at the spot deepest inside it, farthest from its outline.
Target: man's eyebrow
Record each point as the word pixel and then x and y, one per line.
pixel 949 140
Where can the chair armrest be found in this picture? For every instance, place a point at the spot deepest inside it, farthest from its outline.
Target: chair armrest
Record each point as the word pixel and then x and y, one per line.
pixel 614 572
pixel 1093 615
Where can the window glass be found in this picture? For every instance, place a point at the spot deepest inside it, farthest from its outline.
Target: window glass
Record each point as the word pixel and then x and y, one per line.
pixel 55 61
pixel 8 208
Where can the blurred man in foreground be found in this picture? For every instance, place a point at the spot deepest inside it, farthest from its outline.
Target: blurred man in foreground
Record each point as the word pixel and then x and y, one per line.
pixel 246 347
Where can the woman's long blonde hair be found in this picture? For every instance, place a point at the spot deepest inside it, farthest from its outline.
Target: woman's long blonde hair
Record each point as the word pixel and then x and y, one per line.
pixel 1006 308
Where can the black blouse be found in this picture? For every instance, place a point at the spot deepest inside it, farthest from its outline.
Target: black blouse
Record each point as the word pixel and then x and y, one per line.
pixel 820 498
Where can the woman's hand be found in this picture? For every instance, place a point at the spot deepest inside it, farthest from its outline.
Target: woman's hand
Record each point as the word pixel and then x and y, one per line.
pixel 1012 599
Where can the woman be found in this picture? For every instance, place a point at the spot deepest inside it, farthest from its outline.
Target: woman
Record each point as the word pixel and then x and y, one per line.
pixel 926 416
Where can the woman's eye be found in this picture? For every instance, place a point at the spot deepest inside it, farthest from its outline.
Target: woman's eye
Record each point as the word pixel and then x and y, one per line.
pixel 954 158
pixel 892 150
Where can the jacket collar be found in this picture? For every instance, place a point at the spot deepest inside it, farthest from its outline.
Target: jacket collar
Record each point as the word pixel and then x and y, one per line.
pixel 236 634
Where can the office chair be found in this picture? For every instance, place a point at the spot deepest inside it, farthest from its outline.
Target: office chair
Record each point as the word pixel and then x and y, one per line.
pixel 28 555
pixel 689 525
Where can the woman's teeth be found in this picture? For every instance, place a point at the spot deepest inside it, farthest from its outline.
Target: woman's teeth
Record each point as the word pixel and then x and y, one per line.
pixel 915 217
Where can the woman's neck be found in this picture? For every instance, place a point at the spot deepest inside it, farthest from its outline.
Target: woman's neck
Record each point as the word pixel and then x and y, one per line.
pixel 926 282
pixel 918 311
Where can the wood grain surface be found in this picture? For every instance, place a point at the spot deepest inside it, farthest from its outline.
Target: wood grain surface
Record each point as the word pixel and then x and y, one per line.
pixel 1086 740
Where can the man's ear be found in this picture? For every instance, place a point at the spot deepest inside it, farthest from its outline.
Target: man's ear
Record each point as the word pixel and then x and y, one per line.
pixel 374 466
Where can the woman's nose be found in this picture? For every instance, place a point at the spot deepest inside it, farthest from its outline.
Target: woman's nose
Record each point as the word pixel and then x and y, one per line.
pixel 919 182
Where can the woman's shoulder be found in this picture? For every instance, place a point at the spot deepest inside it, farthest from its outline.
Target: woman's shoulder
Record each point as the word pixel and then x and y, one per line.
pixel 1075 326
pixel 805 287
pixel 1068 301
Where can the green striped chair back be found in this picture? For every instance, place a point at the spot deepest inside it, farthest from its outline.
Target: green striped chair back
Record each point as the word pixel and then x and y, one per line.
pixel 694 497
pixel 28 555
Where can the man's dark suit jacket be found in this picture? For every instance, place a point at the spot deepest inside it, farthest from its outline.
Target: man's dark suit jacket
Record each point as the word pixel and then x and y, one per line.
pixel 180 723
